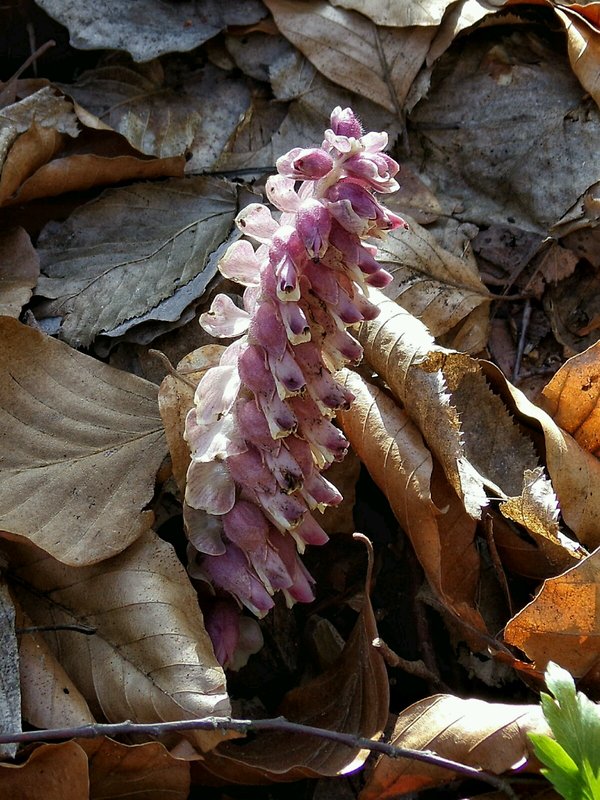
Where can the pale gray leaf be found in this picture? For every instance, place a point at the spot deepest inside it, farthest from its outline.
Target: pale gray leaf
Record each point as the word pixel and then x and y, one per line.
pixel 10 692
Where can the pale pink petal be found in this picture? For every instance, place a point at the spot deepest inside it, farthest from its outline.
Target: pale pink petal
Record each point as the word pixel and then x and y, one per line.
pixel 216 393
pixel 233 573
pixel 280 191
pixel 240 263
pixel 375 141
pixel 209 487
pixel 203 530
pixel 209 442
pixel 224 318
pixel 257 222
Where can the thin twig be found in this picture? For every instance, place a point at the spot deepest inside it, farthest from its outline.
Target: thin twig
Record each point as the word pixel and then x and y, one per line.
pixel 244 725
pixel 158 354
pixel 417 668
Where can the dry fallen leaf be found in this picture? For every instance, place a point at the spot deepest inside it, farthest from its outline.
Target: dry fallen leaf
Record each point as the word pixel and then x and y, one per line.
pixel 379 63
pixel 135 772
pixel 491 736
pixel 81 446
pixel 442 534
pixel 118 256
pixel 431 283
pixel 19 271
pixel 52 771
pixel 571 398
pixel 582 24
pixel 161 28
pixel 562 622
pixel 10 694
pixel 402 15
pixel 150 658
pixel 352 696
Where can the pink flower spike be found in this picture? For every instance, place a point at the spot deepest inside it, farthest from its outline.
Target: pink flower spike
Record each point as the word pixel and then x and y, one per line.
pixel 240 263
pixel 233 573
pixel 313 224
pixel 324 282
pixel 309 532
pixel 305 164
pixel 253 426
pixel 203 530
pixel 246 525
pixel 289 378
pixel 281 192
pixel 288 473
pixel 375 142
pixel 224 318
pixel 257 222
pixel 221 620
pixel 379 279
pixel 209 442
pixel 253 370
pixel 320 493
pixel 286 510
pixel 268 330
pixel 210 487
pixel 344 122
pixel 280 418
pixel 248 469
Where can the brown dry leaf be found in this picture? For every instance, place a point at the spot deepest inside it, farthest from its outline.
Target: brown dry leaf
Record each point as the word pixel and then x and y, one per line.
pixel 52 772
pixel 150 658
pixel 572 398
pixel 19 271
pixel 414 198
pixel 582 24
pixel 491 736
pixel 430 282
pixel 81 446
pixel 161 28
pixel 51 147
pixel 49 698
pixel 165 115
pixel 352 696
pixel 120 255
pixel 134 772
pixel 562 622
pixel 379 63
pixel 442 534
pixel 459 17
pixel 10 694
pixel 464 424
pixel 574 472
pixel 402 15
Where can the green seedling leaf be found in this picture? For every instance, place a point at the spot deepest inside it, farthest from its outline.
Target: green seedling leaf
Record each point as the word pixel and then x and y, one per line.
pixel 572 758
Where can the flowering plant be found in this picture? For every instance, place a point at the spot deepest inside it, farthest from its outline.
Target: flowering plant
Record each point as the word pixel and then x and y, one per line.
pixel 260 433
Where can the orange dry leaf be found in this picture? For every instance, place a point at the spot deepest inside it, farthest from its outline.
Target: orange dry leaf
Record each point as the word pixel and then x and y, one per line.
pixel 52 772
pixel 582 23
pixel 491 736
pixel 572 398
pixel 562 622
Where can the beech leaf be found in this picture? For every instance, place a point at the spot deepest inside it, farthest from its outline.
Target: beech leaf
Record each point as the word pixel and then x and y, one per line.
pixel 562 622
pixel 490 736
pixel 81 446
pixel 392 449
pixel 352 696
pixel 19 271
pixel 150 658
pixel 161 28
pixel 379 63
pixel 572 398
pixel 120 255
pixel 52 771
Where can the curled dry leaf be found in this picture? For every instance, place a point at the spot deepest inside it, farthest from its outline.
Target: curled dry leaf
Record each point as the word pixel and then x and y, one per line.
pixel 10 693
pixel 562 622
pixel 118 256
pixel 49 698
pixel 81 446
pixel 352 696
pixel 442 534
pixel 19 271
pixel 150 658
pixel 402 15
pixel 574 472
pixel 490 736
pixel 44 153
pixel 135 772
pixel 193 115
pixel 162 28
pixel 582 24
pixel 378 63
pixel 52 771
pixel 572 398
pixel 431 283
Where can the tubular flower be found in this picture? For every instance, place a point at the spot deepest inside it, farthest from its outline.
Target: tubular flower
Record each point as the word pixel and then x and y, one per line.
pixel 261 429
